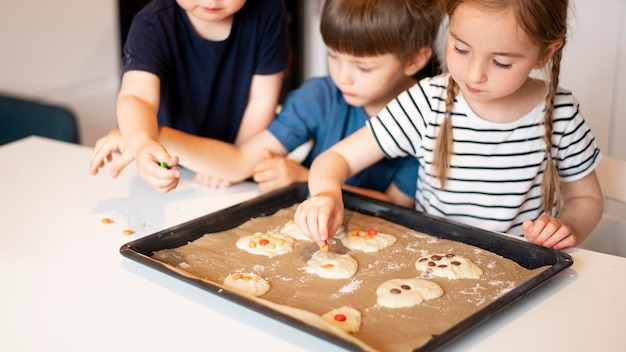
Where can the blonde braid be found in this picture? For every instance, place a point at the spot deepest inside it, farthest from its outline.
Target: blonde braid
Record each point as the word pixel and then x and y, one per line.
pixel 444 146
pixel 551 192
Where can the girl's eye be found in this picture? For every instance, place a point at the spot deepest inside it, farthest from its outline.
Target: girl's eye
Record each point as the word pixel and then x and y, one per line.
pixel 460 51
pixel 364 69
pixel 501 65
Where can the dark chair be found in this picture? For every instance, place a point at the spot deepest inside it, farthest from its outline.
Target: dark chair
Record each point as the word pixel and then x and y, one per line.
pixel 21 118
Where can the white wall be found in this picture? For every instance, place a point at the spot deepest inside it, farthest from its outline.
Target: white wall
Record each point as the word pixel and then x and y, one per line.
pixel 63 51
pixel 315 58
pixel 67 51
pixel 593 59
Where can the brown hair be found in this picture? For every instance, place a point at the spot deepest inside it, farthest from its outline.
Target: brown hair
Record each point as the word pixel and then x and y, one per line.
pixel 377 27
pixel 545 22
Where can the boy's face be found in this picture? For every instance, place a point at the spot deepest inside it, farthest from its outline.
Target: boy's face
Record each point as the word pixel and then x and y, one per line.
pixel 368 82
pixel 211 10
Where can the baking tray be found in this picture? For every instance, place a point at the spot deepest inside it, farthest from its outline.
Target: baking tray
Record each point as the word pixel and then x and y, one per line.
pixel 527 255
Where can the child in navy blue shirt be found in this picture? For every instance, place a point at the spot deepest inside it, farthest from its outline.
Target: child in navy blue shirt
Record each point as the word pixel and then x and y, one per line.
pixel 207 71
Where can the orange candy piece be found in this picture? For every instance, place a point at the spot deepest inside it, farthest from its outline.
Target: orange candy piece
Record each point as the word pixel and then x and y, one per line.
pixel 340 317
pixel 242 277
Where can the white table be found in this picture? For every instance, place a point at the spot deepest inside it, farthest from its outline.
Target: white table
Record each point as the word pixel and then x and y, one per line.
pixel 65 287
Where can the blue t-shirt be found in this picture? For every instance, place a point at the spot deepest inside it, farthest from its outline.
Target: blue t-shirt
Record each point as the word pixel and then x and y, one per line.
pixel 205 84
pixel 318 111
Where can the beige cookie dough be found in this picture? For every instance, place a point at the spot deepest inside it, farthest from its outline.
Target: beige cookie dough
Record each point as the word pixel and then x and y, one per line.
pixel 400 293
pixel 269 244
pixel 345 318
pixel 449 265
pixel 366 241
pixel 247 283
pixel 293 230
pixel 332 265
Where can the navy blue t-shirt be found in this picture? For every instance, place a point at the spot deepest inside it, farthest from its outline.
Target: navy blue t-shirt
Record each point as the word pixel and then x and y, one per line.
pixel 205 84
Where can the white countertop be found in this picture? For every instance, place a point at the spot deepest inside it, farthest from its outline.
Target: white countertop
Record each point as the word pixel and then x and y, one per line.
pixel 66 287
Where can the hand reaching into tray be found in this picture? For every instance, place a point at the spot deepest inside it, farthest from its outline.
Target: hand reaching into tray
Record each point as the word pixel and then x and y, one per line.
pixel 320 216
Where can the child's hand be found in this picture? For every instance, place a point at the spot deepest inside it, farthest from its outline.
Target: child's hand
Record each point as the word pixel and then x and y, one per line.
pixel 103 151
pixel 211 182
pixel 549 232
pixel 278 171
pixel 320 216
pixel 149 157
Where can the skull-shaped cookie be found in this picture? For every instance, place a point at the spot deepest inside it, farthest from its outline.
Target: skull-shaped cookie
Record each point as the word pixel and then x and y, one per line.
pixel 399 293
pixel 266 243
pixel 347 319
pixel 332 265
pixel 247 283
pixel 449 265
pixel 366 241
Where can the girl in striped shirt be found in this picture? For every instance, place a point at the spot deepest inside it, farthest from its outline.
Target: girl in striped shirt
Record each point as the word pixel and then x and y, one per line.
pixel 497 149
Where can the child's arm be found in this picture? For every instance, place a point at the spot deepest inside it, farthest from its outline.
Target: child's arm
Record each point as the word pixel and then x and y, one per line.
pixel 137 106
pixel 262 103
pixel 581 212
pixel 218 159
pixel 279 171
pixel 322 214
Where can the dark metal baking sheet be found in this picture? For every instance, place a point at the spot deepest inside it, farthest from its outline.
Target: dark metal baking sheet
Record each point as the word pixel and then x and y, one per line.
pixel 525 254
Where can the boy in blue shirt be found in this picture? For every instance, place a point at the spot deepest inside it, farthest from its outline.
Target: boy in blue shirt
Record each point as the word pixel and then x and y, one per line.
pixel 376 50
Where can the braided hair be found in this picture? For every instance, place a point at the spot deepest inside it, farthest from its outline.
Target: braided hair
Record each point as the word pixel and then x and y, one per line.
pixel 545 22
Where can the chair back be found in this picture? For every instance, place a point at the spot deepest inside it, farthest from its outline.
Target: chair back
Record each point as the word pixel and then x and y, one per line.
pixel 21 118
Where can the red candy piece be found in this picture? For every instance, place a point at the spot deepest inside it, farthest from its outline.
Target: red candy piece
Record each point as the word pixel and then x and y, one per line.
pixel 340 317
pixel 372 232
pixel 264 242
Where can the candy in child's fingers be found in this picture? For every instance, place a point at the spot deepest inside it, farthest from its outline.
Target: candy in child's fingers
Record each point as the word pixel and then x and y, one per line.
pixel 324 247
pixel 165 165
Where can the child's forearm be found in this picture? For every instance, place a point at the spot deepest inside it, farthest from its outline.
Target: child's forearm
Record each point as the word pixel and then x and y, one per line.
pixel 582 214
pixel 137 121
pixel 207 156
pixel 328 173
pixel 582 206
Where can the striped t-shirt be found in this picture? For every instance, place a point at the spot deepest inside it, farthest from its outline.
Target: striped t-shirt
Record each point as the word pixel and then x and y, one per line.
pixel 494 181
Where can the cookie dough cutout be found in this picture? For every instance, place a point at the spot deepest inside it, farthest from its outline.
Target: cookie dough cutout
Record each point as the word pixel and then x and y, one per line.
pixel 449 265
pixel 402 293
pixel 331 265
pixel 345 318
pixel 247 283
pixel 270 244
pixel 293 230
pixel 367 241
